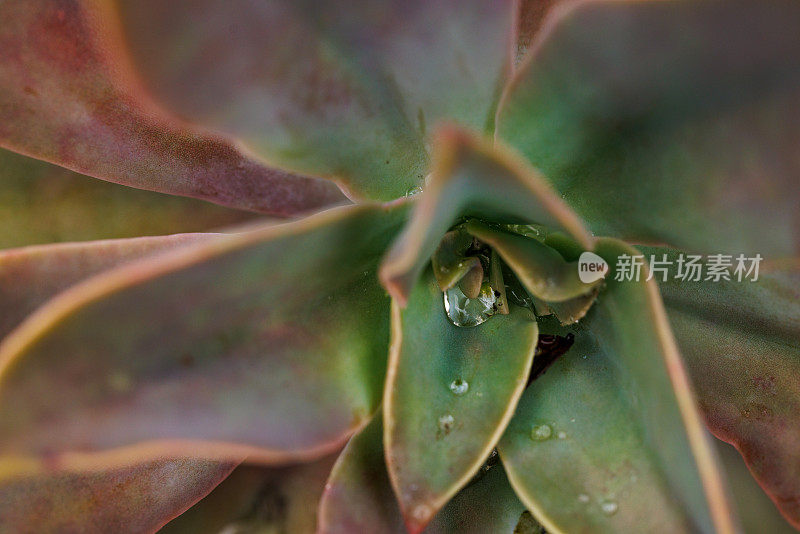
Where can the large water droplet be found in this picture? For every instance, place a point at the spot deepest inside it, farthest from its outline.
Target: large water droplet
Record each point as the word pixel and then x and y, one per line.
pixel 464 311
pixel 609 507
pixel 459 387
pixel 541 432
pixel 446 423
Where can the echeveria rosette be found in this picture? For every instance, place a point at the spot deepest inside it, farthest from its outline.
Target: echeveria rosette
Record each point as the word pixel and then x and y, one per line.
pixel 278 346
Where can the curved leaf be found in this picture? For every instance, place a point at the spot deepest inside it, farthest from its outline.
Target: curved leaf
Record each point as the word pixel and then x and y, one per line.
pixel 43 203
pixel 741 341
pixel 68 96
pixel 530 17
pixel 359 496
pixel 579 456
pixel 449 394
pixel 471 178
pixel 269 343
pixel 139 498
pixel 30 276
pixel 341 89
pixel 668 122
pixel 258 499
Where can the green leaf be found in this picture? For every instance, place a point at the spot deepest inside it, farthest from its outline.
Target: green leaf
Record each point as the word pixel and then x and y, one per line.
pixel 269 343
pixel 579 456
pixel 255 499
pixel 449 394
pixel 344 90
pixel 138 498
pixel 43 203
pixel 471 177
pixel 68 96
pixel 359 496
pixel 30 276
pixel 741 341
pixel 668 122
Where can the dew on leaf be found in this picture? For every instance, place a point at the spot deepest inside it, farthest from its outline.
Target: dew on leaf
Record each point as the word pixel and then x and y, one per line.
pixel 466 312
pixel 459 386
pixel 609 507
pixel 446 423
pixel 541 432
pixel 414 191
pixel 561 435
pixel 583 498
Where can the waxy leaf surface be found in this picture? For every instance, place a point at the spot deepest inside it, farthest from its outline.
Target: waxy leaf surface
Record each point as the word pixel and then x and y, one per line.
pixel 472 178
pixel 340 89
pixel 69 96
pixel 359 496
pixel 270 342
pixel 450 392
pixel 668 122
pixel 138 498
pixel 741 342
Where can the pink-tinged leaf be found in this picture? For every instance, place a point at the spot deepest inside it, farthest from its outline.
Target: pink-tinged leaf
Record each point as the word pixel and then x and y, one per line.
pixel 359 496
pixel 68 96
pixel 30 276
pixel 270 342
pixel 259 499
pixel 471 177
pixel 341 89
pixel 43 203
pixel 530 16
pixel 141 497
pixel 741 341
pixel 668 122
pixel 450 392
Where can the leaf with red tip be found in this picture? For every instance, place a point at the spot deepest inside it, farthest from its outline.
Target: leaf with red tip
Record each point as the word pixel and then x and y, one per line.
pixel 43 203
pixel 449 394
pixel 137 498
pixel 68 96
pixel 30 276
pixel 359 496
pixel 741 341
pixel 270 342
pixel 341 89
pixel 668 122
pixel 259 499
pixel 471 177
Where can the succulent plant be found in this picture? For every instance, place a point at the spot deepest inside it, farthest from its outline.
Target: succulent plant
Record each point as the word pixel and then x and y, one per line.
pixel 448 336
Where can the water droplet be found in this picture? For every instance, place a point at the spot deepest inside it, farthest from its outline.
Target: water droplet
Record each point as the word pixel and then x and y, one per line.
pixel 414 191
pixel 464 311
pixel 421 512
pixel 572 420
pixel 541 432
pixel 609 507
pixel 562 435
pixel 446 423
pixel 459 387
pixel 583 498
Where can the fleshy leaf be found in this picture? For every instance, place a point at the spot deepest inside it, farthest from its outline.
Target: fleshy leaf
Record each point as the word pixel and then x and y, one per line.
pixel 270 342
pixel 530 16
pixel 359 496
pixel 340 89
pixel 541 269
pixel 68 96
pixel 757 512
pixel 43 203
pixel 472 178
pixel 741 341
pixel 668 122
pixel 578 455
pixel 138 498
pixel 449 394
pixel 256 499
pixel 30 276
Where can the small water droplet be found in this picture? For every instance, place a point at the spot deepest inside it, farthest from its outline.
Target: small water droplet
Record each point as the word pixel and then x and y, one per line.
pixel 572 420
pixel 541 432
pixel 609 507
pixel 446 423
pixel 414 191
pixel 421 512
pixel 466 312
pixel 583 498
pixel 459 387
pixel 562 435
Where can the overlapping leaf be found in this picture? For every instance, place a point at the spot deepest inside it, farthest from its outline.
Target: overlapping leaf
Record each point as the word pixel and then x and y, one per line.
pixel 655 118
pixel 270 342
pixel 472 178
pixel 341 89
pixel 67 95
pixel 450 392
